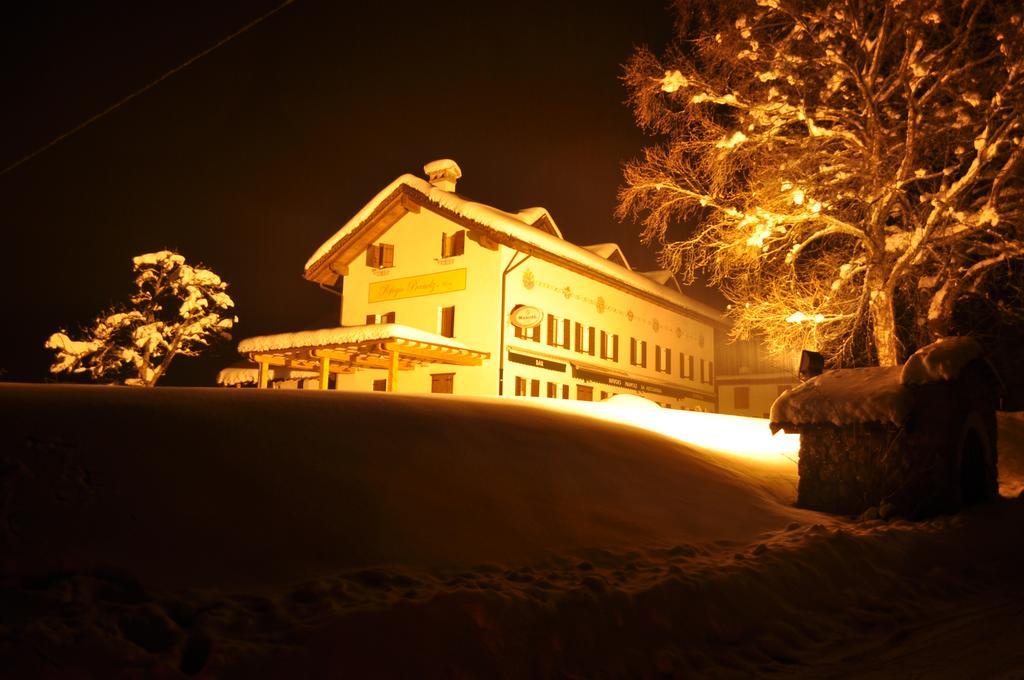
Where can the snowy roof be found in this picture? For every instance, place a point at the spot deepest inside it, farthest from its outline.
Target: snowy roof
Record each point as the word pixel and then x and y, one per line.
pixel 843 397
pixel 343 335
pixel 248 373
pixel 880 395
pixel 664 277
pixel 610 251
pixel 941 360
pixel 513 229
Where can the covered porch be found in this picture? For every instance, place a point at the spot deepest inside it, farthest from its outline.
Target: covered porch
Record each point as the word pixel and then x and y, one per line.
pixel 346 349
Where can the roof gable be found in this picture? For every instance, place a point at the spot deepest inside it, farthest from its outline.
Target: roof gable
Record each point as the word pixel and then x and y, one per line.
pixel 410 193
pixel 611 252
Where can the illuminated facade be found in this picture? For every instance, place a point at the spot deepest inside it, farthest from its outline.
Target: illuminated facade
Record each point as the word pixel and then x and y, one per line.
pixel 440 294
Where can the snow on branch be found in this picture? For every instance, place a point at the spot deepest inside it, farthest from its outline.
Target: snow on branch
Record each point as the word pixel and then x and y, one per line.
pixel 177 309
pixel 879 138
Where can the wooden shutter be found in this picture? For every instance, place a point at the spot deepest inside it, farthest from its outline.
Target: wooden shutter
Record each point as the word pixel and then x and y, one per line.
pixel 643 353
pixel 388 318
pixel 578 343
pixel 371 319
pixel 615 347
pixel 584 393
pixel 552 330
pixel 387 255
pixel 373 256
pixel 604 345
pixel 632 351
pixel 657 358
pixel 591 340
pixel 552 390
pixel 442 383
pixel 520 387
pixel 459 242
pixel 534 388
pixel 565 391
pixel 445 250
pixel 668 360
pixel 448 322
pixel 566 327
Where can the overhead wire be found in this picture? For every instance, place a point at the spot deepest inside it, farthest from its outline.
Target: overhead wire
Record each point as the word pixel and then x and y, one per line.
pixel 124 100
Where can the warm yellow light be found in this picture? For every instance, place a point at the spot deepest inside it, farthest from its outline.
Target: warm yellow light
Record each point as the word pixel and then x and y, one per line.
pixel 736 436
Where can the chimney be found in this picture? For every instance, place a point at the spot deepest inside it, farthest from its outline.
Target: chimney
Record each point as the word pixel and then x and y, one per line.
pixel 443 173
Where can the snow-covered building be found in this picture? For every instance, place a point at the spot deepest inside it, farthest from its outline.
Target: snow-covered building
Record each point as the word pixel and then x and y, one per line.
pixel 750 379
pixel 441 294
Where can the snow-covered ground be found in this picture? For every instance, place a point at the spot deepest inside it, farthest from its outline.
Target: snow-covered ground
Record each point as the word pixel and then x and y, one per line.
pixel 244 533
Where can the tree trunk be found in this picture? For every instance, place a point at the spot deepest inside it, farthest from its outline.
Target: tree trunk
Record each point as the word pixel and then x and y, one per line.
pixel 883 325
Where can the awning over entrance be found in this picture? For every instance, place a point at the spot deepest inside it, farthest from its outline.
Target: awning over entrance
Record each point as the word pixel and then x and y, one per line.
pixel 345 349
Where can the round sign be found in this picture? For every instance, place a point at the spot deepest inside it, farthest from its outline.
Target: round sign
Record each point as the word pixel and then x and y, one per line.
pixel 525 316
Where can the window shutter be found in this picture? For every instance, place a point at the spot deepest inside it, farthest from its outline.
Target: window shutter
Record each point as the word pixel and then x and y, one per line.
pixel 448 322
pixel 604 345
pixel 657 358
pixel 459 246
pixel 444 245
pixel 632 351
pixel 372 256
pixel 615 348
pixel 578 345
pixel 552 330
pixel 371 319
pixel 590 340
pixel 565 333
pixel 387 255
pixel 668 360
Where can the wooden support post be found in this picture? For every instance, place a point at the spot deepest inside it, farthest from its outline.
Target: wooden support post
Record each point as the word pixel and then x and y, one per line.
pixel 263 375
pixel 325 372
pixel 393 370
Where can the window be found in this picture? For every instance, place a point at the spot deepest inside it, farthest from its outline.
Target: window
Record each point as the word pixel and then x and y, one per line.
pixel 662 359
pixel 741 397
pixel 520 387
pixel 552 390
pixel 380 385
pixel 448 322
pixel 584 393
pixel 565 391
pixel 638 352
pixel 442 383
pixel 371 319
pixel 380 255
pixel 387 318
pixel 528 333
pixel 552 330
pixel 453 244
pixel 534 388
pixel 685 362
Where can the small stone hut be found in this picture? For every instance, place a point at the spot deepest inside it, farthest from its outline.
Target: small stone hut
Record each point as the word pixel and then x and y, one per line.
pixel 913 440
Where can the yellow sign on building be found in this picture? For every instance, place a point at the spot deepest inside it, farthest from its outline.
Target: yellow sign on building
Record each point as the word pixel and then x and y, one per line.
pixel 415 286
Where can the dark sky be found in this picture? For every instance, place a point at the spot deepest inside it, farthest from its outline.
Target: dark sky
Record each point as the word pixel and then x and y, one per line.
pixel 250 158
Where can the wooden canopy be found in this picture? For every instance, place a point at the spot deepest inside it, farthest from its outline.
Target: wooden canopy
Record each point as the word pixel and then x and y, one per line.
pixel 336 354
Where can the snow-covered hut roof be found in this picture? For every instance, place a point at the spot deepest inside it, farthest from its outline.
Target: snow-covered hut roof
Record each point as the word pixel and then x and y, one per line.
pixel 343 335
pixel 941 360
pixel 880 395
pixel 610 251
pixel 843 397
pixel 541 239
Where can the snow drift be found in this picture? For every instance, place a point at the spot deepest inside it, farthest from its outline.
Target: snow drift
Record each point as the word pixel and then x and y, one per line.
pixel 240 533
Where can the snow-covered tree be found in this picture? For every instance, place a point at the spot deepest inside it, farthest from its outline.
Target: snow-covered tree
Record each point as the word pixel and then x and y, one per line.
pixel 846 170
pixel 177 309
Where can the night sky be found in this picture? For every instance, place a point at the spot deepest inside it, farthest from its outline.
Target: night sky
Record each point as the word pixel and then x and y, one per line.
pixel 250 158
